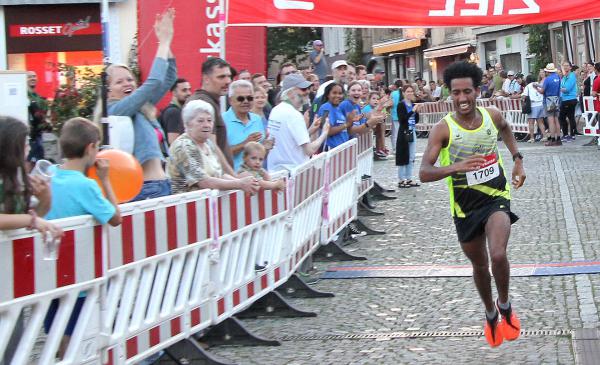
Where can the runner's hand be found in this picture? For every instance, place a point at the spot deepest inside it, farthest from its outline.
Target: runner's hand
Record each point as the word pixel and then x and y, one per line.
pixel 472 163
pixel 518 174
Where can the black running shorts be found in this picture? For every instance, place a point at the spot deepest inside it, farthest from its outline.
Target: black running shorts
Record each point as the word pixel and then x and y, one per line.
pixel 474 224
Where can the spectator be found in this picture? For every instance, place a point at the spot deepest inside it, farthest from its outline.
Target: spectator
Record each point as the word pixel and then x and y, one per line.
pixel 288 127
pixel 435 90
pixel 317 59
pixel 340 123
pixel 242 125
pixel 37 110
pixel 589 78
pixel 254 158
pixel 537 109
pixel 216 77
pixel 361 72
pixel 511 87
pixel 568 103
pixel 396 97
pixel 407 138
pixel 340 76
pixel 126 99
pixel 312 92
pixel 486 87
pixel 551 91
pixel 351 74
pixel 259 80
pixel 259 106
pixel 195 162
pixel 16 208
pixel 498 79
pixel 170 118
pixel 351 108
pixel 244 75
pixel 74 194
pixel 286 69
pixel 306 70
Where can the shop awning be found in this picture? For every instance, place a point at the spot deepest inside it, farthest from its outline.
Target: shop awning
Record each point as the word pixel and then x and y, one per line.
pixel 395 46
pixel 443 51
pixel 52 2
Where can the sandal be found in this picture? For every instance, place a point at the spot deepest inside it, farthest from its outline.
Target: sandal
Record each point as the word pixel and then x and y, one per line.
pixel 403 184
pixel 412 184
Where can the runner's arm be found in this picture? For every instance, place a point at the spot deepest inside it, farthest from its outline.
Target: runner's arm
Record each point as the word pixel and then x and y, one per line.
pixel 518 173
pixel 438 137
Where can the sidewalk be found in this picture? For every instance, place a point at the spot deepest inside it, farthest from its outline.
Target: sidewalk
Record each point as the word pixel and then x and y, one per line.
pixel 432 320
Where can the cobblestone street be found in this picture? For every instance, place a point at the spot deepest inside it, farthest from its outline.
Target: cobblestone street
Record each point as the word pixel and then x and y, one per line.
pixel 370 321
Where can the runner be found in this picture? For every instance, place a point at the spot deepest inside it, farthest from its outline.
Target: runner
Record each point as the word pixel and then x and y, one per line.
pixel 465 142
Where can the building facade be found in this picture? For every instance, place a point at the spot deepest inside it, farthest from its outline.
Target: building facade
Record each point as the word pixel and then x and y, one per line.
pixel 506 44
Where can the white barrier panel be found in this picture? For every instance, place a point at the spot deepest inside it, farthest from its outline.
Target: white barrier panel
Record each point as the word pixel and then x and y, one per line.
pixel 339 207
pixel 251 231
pixel 30 283
pixel 365 162
pixel 592 124
pixel 306 187
pixel 158 284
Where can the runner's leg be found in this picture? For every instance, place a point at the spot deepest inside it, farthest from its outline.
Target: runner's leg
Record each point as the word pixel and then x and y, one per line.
pixel 497 230
pixel 476 252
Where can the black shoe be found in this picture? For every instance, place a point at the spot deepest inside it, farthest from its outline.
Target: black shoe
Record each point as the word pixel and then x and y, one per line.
pixel 365 177
pixel 353 229
pixel 260 268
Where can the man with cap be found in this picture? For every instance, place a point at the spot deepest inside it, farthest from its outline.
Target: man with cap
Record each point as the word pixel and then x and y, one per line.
pixel 511 87
pixel 340 76
pixel 317 59
pixel 551 91
pixel 288 127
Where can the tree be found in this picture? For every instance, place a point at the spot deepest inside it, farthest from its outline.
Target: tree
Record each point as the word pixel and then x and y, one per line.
pixel 290 42
pixel 354 46
pixel 538 44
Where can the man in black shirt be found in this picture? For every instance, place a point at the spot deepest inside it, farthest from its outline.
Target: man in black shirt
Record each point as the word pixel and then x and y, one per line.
pixel 170 118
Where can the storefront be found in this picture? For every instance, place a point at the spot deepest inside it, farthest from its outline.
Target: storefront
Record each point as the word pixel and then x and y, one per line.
pixel 402 58
pixel 440 57
pixel 41 38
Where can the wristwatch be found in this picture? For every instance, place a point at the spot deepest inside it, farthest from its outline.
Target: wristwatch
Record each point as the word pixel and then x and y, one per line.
pixel 517 155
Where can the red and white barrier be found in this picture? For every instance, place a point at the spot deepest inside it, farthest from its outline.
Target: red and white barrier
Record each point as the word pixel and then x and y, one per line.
pixel 175 266
pixel 339 207
pixel 365 162
pixel 592 122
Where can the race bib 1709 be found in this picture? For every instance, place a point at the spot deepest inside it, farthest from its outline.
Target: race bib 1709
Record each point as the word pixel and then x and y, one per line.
pixel 487 172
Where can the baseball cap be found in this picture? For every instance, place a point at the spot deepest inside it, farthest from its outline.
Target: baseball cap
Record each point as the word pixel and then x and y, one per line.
pixel 294 80
pixel 318 42
pixel 378 71
pixel 338 63
pixel 511 73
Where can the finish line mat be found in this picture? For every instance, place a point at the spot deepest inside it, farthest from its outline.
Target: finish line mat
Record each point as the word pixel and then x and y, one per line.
pixel 428 271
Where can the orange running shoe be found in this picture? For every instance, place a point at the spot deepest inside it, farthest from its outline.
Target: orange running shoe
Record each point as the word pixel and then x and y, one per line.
pixel 492 333
pixel 509 325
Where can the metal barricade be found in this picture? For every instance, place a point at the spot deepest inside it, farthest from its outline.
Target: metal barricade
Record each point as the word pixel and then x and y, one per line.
pixel 306 187
pixel 158 285
pixel 31 282
pixel 250 232
pixel 339 207
pixel 364 162
pixel 590 114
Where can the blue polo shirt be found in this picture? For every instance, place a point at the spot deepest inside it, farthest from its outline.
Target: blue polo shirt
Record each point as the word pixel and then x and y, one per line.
pixel 551 85
pixel 336 118
pixel 237 132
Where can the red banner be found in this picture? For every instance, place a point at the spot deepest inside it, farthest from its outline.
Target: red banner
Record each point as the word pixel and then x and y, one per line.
pixel 197 36
pixel 389 13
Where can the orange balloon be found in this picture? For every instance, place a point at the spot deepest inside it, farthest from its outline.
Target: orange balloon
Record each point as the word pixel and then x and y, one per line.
pixel 124 173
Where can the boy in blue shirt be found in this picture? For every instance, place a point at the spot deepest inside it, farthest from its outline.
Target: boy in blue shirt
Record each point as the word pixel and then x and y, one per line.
pixel 75 194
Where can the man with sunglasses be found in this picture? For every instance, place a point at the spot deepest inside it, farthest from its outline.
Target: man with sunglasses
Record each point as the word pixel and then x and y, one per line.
pixel 242 125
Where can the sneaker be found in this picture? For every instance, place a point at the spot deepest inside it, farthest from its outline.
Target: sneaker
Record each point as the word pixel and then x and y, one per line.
pixel 492 332
pixel 260 268
pixel 509 324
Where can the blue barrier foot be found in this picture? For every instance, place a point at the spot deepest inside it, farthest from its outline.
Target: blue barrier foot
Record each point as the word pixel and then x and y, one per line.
pixel 295 287
pixel 232 332
pixel 190 351
pixel 358 226
pixel 273 305
pixel 333 252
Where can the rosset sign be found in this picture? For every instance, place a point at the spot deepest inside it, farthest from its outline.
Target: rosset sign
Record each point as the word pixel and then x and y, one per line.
pixel 386 13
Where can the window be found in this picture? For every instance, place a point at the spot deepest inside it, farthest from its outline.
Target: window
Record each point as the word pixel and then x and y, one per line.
pixel 559 46
pixel 580 52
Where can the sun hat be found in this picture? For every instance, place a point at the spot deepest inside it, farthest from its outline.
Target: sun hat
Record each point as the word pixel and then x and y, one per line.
pixel 550 68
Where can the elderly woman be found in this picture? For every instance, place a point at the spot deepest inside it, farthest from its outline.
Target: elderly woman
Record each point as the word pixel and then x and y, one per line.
pixel 195 162
pixel 126 99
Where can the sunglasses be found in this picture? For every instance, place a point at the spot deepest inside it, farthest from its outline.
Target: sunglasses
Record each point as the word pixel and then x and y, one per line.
pixel 304 88
pixel 242 98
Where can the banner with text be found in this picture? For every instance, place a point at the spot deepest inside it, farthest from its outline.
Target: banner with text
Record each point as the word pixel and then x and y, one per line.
pixel 386 13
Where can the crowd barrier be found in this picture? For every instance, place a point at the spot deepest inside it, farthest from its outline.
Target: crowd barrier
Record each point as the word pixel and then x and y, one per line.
pixel 174 267
pixel 431 113
pixel 590 114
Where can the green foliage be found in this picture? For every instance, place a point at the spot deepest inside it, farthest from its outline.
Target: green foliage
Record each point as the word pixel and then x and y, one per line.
pixel 290 42
pixel 75 98
pixel 539 45
pixel 354 46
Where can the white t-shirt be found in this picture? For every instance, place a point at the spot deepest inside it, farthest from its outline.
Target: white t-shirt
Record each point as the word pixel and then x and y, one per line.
pixel 537 99
pixel 287 126
pixel 506 86
pixel 437 92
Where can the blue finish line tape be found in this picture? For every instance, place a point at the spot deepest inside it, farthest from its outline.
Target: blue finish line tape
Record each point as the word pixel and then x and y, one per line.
pixel 441 271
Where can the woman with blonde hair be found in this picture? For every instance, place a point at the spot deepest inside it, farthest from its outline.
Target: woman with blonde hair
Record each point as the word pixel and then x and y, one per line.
pixel 125 98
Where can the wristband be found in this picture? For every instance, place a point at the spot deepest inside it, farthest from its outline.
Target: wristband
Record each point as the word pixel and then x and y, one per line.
pixel 33 223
